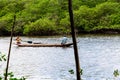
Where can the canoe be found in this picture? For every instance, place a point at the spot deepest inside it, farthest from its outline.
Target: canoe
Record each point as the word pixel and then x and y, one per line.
pixel 45 45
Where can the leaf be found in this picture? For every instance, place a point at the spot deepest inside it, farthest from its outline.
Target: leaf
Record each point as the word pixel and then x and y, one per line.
pixel 81 71
pixel 71 71
pixel 116 73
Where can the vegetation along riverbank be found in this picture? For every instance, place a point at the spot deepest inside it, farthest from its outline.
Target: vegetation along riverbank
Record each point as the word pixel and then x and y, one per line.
pixel 50 17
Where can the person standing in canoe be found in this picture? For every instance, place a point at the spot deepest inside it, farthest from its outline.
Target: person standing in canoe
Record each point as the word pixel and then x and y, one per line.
pixel 18 40
pixel 64 40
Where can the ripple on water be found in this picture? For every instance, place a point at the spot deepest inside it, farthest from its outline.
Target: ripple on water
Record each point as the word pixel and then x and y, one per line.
pixel 99 57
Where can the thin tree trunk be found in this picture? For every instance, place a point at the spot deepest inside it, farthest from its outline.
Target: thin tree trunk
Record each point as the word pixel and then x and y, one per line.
pixel 74 40
pixel 8 59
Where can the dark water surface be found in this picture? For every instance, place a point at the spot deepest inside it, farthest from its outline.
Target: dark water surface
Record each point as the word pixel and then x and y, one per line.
pixel 99 57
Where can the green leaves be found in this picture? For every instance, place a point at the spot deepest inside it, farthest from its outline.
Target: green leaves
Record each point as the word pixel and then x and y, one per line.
pixel 105 14
pixel 88 16
pixel 71 71
pixel 2 57
pixel 40 27
pixel 11 77
pixel 116 73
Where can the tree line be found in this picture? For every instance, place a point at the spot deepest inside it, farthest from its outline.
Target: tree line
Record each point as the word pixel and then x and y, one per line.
pixel 51 17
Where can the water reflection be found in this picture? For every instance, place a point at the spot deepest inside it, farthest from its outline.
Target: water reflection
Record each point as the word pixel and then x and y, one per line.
pixel 99 57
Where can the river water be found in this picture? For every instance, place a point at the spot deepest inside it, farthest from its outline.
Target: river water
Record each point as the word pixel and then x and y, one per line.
pixel 99 57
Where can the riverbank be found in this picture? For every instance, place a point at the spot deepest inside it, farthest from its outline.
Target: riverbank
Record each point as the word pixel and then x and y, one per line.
pixel 94 32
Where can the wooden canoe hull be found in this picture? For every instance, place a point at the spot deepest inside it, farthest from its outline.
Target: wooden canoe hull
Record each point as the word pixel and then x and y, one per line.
pixel 45 45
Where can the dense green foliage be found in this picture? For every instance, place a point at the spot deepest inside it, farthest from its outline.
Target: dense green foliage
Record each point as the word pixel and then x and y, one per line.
pixel 50 17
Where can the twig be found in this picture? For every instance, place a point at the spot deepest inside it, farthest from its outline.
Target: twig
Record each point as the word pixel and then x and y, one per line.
pixel 8 59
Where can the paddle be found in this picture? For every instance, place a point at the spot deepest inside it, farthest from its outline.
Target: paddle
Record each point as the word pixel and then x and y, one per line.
pixel 33 42
pixel 28 41
pixel 25 41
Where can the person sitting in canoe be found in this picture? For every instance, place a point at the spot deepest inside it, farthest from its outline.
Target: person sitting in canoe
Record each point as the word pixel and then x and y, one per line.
pixel 18 40
pixel 64 40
